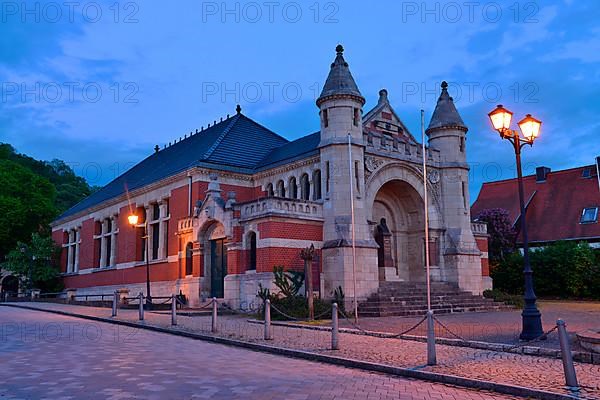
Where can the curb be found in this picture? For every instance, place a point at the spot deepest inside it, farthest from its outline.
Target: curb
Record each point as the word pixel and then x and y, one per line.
pixel 579 356
pixel 512 390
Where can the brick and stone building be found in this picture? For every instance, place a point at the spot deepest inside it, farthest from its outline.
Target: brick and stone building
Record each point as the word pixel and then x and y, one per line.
pixel 226 204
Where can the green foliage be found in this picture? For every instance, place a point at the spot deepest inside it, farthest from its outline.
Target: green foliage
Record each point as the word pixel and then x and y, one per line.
pixel 564 269
pixel 288 282
pixel 500 296
pixel 35 263
pixel 297 307
pixel 339 297
pixel 263 293
pixel 502 234
pixel 32 194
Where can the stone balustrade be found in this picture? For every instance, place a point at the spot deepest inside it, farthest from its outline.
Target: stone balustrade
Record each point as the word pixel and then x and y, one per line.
pixel 185 224
pixel 397 147
pixel 479 228
pixel 302 209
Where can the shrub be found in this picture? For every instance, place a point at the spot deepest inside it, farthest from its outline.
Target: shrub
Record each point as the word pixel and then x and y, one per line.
pixel 297 308
pixel 563 269
pixel 503 297
pixel 288 282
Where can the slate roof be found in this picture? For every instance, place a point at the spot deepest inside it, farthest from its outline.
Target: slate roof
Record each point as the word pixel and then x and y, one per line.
pixel 445 114
pixel 554 206
pixel 237 144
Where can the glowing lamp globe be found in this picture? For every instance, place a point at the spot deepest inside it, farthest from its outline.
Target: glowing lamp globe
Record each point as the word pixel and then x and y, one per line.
pixel 133 219
pixel 530 127
pixel 500 118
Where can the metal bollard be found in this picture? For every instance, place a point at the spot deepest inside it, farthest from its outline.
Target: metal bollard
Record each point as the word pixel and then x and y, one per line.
pixel 567 356
pixel 115 303
pixel 268 330
pixel 173 309
pixel 141 306
pixel 214 314
pixel 431 356
pixel 335 343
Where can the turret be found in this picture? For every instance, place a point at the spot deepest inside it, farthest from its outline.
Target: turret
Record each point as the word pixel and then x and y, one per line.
pixel 447 131
pixel 340 103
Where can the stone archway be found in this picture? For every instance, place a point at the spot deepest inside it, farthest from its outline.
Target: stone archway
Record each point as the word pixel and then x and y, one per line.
pixel 213 240
pixel 10 285
pixel 398 222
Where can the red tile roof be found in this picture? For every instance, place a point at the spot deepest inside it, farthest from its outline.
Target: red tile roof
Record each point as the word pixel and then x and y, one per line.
pixel 554 207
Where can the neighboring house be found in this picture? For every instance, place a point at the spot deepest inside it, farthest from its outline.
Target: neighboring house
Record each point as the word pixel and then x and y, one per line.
pixel 560 205
pixel 229 202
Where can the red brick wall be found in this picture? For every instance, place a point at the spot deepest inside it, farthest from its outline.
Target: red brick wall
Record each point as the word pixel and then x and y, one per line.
pixel 158 272
pixel 88 249
pixel 59 238
pixel 483 245
pixel 290 230
pixel 127 237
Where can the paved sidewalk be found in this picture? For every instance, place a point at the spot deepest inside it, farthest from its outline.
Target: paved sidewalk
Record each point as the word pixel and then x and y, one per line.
pixel 498 326
pixel 506 368
pixel 88 361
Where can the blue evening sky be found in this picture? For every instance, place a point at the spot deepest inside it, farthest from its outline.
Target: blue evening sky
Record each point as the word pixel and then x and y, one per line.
pixel 98 84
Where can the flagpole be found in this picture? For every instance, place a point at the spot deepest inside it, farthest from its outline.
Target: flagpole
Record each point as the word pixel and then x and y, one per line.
pixel 431 353
pixel 425 199
pixel 353 230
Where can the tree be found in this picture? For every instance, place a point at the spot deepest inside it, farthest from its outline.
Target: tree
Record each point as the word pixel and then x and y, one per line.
pixel 502 239
pixel 26 204
pixel 35 263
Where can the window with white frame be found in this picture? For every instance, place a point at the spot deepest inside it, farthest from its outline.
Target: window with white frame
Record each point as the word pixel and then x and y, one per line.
pixel 72 248
pixel 107 242
pixel 589 215
pixel 158 225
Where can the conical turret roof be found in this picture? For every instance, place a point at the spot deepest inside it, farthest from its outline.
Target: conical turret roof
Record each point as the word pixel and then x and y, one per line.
pixel 340 80
pixel 445 114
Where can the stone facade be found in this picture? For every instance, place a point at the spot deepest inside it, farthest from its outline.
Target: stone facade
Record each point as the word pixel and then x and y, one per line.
pixel 215 232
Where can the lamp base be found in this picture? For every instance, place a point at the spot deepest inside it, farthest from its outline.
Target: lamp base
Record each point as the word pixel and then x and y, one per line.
pixel 532 323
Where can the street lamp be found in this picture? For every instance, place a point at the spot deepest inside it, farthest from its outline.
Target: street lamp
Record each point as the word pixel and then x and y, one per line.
pixel 133 221
pixel 530 128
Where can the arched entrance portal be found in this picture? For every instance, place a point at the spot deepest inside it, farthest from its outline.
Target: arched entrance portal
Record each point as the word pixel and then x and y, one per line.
pixel 215 260
pixel 10 285
pixel 398 217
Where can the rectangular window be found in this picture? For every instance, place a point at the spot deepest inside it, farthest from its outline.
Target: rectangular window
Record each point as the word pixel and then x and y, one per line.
pixel 356 116
pixel 357 176
pixel 325 119
pixel 155 240
pixel 108 250
pixel 464 194
pixel 327 177
pixel 587 173
pixel 589 215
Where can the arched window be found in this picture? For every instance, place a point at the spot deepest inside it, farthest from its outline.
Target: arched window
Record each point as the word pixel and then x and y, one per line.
pixel 305 187
pixel 188 259
pixel 280 189
pixel 293 188
pixel 270 190
pixel 252 251
pixel 317 185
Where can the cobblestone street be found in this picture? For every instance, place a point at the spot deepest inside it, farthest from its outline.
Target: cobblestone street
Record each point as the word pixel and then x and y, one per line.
pixel 521 370
pixel 57 357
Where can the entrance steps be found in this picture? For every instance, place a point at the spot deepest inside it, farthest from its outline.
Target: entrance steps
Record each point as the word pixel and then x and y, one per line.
pixel 410 299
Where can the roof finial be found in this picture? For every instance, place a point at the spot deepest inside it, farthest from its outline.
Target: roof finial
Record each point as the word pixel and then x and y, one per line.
pixel 238 109
pixel 444 85
pixel 339 49
pixel 156 148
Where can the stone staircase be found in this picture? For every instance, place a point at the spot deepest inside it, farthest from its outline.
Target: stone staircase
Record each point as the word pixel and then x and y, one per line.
pixel 409 298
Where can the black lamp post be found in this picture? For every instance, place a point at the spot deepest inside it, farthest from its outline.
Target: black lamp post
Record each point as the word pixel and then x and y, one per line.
pixel 133 221
pixel 530 127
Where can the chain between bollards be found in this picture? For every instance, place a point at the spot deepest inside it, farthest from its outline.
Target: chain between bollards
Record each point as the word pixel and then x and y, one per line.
pixel 214 314
pixel 268 329
pixel 115 303
pixel 335 330
pixel 567 356
pixel 173 310
pixel 431 356
pixel 141 306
